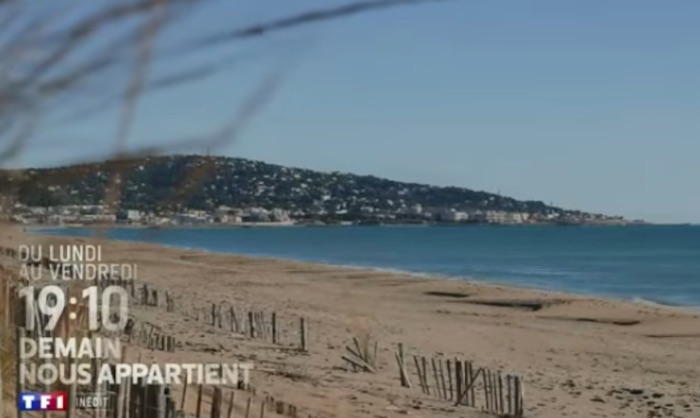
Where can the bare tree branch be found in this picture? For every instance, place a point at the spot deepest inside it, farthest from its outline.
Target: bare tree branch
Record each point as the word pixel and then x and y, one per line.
pixel 300 20
pixel 148 34
pixel 48 77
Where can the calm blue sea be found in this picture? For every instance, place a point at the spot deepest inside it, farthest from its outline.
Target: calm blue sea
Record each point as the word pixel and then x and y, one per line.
pixel 656 263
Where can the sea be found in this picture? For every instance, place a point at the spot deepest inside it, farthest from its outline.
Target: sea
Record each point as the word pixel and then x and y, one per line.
pixel 646 263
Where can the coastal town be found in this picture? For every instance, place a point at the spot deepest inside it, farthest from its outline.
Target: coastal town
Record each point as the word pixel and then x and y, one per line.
pixel 97 215
pixel 161 191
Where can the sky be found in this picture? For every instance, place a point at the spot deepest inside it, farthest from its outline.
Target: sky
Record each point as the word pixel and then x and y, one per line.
pixel 591 105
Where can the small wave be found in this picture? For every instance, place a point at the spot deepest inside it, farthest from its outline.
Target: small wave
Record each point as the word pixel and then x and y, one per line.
pixel 659 302
pixel 390 270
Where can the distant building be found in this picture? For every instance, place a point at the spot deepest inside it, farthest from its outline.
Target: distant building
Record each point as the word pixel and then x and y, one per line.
pixel 99 218
pixel 5 204
pixel 453 216
pixel 497 217
pixel 133 215
pixel 279 215
pixel 520 217
pixel 229 219
pixel 193 218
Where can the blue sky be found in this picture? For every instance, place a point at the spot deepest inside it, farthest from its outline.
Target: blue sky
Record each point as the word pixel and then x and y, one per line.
pixel 593 105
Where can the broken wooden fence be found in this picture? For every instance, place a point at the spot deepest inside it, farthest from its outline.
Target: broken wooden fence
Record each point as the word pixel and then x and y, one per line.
pixel 254 324
pixel 362 356
pixel 463 383
pixel 230 405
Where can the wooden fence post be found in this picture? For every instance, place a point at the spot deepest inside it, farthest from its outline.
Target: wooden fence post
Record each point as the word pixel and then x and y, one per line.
pixel 18 349
pixel 520 392
pixel 6 292
pixel 258 326
pixel 184 394
pixel 459 374
pixel 449 378
pixel 420 375
pixel 162 399
pixel 493 389
pixel 115 390
pixel 125 397
pixel 442 379
pixel 247 407
pixel 403 375
pixel 509 396
pixel 469 382
pixel 435 376
pixel 487 397
pixel 149 407
pixel 134 404
pixel 2 388
pixel 199 402
pixel 496 392
pixel 230 404
pixel 402 371
pixel 424 363
pixel 501 405
pixel 171 409
pixel 216 403
pixel 303 330
pixel 234 322
pixel 70 413
pixel 274 328
pixel 514 394
pixel 261 324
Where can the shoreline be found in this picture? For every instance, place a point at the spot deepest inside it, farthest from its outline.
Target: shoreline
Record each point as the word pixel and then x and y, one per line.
pixel 321 224
pixel 495 282
pixel 412 275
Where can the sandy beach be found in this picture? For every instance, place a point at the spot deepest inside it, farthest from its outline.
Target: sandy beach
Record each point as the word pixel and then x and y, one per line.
pixel 578 356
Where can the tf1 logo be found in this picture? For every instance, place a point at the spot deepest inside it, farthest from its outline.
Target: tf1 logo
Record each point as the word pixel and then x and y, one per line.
pixel 35 401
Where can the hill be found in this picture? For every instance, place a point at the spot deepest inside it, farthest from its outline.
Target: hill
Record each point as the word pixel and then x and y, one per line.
pixel 174 183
